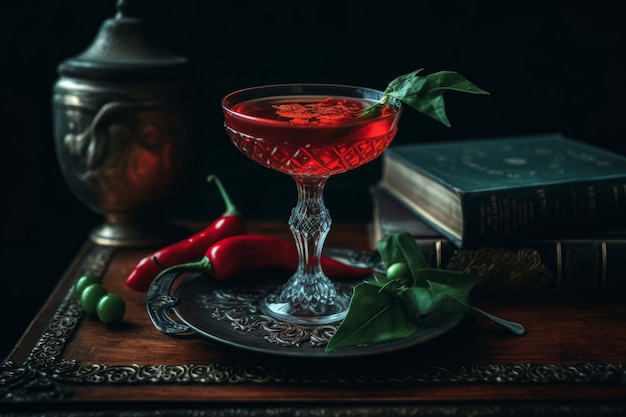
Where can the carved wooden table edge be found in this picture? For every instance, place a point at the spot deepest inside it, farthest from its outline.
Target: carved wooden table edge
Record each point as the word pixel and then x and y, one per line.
pixel 45 376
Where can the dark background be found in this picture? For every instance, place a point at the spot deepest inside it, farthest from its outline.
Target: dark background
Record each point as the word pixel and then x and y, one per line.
pixel 550 67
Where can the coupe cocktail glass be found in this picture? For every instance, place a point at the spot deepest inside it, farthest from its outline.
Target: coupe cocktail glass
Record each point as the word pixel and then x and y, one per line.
pixel 310 132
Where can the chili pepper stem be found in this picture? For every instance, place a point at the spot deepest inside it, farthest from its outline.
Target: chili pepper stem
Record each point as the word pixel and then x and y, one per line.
pixel 202 266
pixel 231 209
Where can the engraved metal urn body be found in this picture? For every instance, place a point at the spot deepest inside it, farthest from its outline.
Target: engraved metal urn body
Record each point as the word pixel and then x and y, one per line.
pixel 125 127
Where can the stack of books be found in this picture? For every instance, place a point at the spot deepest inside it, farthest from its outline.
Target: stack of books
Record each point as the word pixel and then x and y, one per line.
pixel 540 215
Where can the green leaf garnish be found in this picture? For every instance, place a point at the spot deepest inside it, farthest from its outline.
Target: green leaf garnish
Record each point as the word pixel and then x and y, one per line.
pixel 375 315
pixel 401 247
pixel 391 308
pixel 424 93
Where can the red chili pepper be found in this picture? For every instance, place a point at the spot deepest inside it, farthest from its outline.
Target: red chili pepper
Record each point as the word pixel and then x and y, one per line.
pixel 235 255
pixel 192 248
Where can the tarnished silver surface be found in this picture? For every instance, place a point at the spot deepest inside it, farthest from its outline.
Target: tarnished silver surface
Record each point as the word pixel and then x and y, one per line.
pixel 357 258
pixel 233 314
pixel 125 127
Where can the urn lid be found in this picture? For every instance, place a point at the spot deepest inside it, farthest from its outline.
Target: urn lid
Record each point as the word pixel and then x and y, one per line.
pixel 124 49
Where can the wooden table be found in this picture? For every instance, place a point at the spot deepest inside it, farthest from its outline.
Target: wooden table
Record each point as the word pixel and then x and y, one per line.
pixel 571 361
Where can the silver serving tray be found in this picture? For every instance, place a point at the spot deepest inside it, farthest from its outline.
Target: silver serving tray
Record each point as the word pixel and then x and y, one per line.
pixel 229 313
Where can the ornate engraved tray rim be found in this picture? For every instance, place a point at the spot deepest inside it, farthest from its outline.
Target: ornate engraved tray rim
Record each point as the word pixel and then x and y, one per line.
pixel 232 314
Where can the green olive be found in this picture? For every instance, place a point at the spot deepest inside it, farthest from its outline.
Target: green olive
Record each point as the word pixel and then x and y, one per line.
pixel 398 270
pixel 111 309
pixel 90 297
pixel 84 281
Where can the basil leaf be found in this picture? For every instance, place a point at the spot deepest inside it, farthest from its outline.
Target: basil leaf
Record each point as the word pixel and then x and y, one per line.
pixel 374 110
pixel 446 291
pixel 441 297
pixel 375 315
pixel 438 298
pixel 424 93
pixel 386 283
pixel 428 301
pixel 401 247
pixel 458 279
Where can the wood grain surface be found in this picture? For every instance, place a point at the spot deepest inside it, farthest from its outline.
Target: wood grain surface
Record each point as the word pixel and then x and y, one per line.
pixel 571 353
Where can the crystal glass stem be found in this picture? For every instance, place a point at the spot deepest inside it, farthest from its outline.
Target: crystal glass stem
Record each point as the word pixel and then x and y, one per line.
pixel 310 223
pixel 309 296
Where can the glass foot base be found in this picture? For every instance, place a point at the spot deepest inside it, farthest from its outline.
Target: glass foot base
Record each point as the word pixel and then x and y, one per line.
pixel 311 315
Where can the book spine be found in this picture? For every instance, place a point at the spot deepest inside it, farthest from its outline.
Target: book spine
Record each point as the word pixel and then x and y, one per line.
pixel 533 212
pixel 591 267
pixel 565 269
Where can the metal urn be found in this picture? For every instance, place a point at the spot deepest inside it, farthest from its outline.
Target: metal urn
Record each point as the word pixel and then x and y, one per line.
pixel 125 129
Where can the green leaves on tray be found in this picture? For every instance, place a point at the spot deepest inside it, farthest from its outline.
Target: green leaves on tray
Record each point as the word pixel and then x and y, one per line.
pixel 424 93
pixel 391 306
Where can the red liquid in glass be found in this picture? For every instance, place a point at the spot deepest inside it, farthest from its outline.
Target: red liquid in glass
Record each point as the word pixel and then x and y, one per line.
pixel 310 135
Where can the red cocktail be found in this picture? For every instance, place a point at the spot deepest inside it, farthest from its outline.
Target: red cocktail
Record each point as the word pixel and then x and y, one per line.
pixel 309 131
pixel 313 136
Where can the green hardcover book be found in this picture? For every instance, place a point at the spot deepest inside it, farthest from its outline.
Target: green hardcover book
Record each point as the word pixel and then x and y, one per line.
pixel 493 191
pixel 590 266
